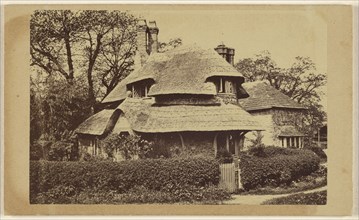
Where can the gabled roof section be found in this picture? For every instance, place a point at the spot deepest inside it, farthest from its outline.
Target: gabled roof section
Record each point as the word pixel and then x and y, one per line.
pixel 264 96
pixel 118 93
pixel 183 70
pixel 146 117
pixel 98 123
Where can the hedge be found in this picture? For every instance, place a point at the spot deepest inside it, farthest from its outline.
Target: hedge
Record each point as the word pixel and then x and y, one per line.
pixel 318 151
pixel 279 166
pixel 167 175
pixel 191 194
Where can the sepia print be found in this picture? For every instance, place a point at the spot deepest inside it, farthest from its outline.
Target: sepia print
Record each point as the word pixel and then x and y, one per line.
pixel 168 122
pixel 178 107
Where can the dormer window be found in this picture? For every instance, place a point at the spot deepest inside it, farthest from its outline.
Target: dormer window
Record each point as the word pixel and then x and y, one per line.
pixel 224 85
pixel 140 89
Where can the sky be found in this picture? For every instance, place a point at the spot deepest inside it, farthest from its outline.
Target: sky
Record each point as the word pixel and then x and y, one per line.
pixel 284 33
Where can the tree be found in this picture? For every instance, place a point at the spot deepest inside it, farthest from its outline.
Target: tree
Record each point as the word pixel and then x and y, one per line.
pixel 170 45
pixel 118 51
pixel 52 33
pixel 94 35
pixel 57 107
pixel 299 82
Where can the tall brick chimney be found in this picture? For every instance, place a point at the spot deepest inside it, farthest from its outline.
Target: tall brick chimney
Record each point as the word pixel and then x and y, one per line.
pixel 226 52
pixel 142 41
pixel 147 40
pixel 153 30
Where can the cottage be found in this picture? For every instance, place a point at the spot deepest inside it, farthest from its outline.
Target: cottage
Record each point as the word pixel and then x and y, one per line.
pixel 280 116
pixel 186 98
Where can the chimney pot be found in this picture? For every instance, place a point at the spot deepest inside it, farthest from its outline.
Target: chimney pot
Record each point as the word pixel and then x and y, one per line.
pixel 226 52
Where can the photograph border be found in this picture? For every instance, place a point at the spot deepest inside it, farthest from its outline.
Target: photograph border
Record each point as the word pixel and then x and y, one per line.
pixel 340 117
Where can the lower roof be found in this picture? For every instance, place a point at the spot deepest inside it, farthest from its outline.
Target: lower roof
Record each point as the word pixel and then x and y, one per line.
pixel 96 124
pixel 145 117
pixel 263 96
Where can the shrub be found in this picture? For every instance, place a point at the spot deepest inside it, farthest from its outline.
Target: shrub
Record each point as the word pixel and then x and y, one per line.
pixel 167 175
pixel 223 156
pixel 272 151
pixel 257 151
pixel 277 169
pixel 130 146
pixel 258 140
pixel 318 151
pixel 189 194
pixel 316 198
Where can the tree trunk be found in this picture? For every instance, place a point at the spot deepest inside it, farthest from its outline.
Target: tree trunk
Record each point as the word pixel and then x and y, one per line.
pixel 91 96
pixel 69 58
pixel 92 60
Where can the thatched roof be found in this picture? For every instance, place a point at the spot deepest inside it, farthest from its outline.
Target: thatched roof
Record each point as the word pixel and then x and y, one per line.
pixel 289 131
pixel 122 125
pixel 118 93
pixel 98 123
pixel 263 96
pixel 148 118
pixel 183 70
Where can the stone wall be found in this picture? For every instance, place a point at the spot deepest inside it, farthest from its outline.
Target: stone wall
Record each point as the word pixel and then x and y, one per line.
pixel 266 121
pixel 195 143
pixel 271 120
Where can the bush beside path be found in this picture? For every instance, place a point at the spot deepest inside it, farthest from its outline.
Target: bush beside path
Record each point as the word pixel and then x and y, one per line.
pixel 259 199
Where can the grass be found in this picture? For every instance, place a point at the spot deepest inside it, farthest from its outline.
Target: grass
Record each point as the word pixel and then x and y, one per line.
pixel 316 198
pixel 284 190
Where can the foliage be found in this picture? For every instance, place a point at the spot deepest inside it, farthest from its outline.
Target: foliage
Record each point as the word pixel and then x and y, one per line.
pixel 101 37
pixel 258 140
pixel 319 152
pixel 224 156
pixel 170 45
pixel 130 146
pixel 299 82
pixel 57 107
pixel 65 149
pixel 51 37
pixel 315 180
pixel 257 151
pixel 276 169
pixel 315 198
pixel 77 57
pixel 137 195
pixel 167 175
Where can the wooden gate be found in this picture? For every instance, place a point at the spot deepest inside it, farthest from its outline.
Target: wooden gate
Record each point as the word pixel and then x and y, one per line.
pixel 229 177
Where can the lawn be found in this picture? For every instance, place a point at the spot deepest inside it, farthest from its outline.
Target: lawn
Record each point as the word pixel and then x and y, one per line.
pixel 316 198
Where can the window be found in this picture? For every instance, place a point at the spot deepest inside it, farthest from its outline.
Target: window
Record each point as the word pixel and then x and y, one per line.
pixel 224 85
pixel 291 142
pixel 139 91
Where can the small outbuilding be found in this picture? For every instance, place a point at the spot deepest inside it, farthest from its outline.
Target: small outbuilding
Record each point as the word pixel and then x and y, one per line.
pixel 281 117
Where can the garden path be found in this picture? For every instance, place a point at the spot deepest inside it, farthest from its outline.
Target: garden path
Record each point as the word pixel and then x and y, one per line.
pixel 259 199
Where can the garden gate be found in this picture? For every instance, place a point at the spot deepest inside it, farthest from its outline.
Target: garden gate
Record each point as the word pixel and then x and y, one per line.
pixel 230 177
